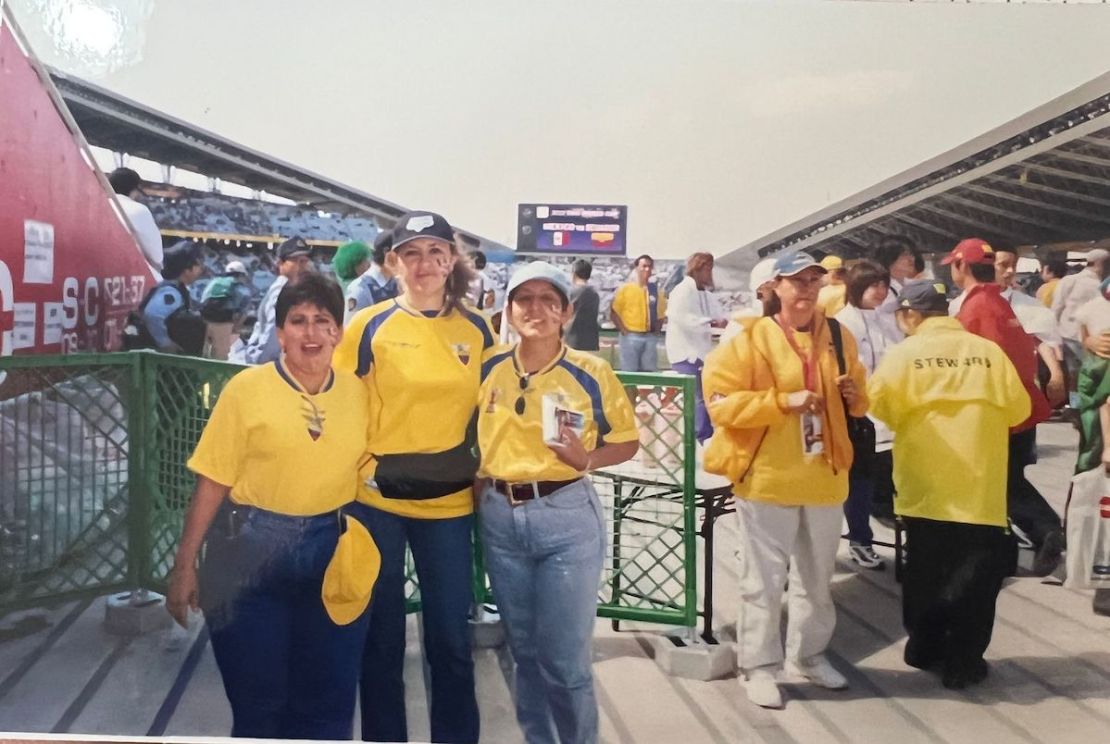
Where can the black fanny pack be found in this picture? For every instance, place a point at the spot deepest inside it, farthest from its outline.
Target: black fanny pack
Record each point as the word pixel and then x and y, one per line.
pixel 418 476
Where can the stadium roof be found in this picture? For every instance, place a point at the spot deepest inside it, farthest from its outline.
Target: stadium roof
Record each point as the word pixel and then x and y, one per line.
pixel 1040 179
pixel 114 122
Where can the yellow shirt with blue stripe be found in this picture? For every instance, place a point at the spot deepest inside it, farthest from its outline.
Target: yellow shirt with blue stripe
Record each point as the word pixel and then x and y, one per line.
pixel 279 448
pixel 422 374
pixel 512 444
pixel 640 308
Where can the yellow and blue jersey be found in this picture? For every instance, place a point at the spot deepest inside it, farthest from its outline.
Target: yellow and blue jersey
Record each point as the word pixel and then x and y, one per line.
pixel 422 373
pixel 512 443
pixel 281 449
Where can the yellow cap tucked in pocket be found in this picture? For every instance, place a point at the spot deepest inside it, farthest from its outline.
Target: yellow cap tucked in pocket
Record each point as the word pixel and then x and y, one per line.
pixel 351 574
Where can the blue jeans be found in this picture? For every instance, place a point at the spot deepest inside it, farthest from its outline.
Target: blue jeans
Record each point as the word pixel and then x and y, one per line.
pixel 443 553
pixel 544 561
pixel 289 672
pixel 703 428
pixel 857 509
pixel 639 352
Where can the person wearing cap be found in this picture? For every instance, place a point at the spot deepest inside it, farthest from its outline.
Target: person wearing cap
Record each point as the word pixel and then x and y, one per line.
pixel 126 183
pixel 350 261
pixel 869 483
pixel 1071 294
pixel 832 297
pixel 946 390
pixel 420 357
pixel 985 313
pixel 375 283
pixel 779 405
pixel 548 415
pixel 637 310
pixel 761 282
pixel 277 466
pixel 223 305
pixel 169 323
pixel 294 258
pixel 692 312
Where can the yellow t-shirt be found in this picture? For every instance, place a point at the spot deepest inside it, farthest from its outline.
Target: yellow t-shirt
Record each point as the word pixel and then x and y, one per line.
pixel 422 374
pixel 512 444
pixel 281 449
pixel 640 311
pixel 1047 292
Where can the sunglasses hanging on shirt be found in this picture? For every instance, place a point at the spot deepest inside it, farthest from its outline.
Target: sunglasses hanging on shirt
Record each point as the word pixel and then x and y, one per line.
pixel 520 402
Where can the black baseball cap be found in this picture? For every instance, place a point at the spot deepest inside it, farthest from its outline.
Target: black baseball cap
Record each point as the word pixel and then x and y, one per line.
pixel 179 257
pixel 413 225
pixel 292 248
pixel 924 295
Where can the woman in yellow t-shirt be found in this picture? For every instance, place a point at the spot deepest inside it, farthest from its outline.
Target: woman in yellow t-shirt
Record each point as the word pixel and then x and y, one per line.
pixel 276 464
pixel 420 356
pixel 548 415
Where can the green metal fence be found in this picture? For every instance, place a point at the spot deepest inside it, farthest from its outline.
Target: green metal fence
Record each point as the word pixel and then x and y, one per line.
pixel 93 483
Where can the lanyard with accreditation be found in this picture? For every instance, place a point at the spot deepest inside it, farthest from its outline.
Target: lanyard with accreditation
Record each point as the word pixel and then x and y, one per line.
pixel 809 362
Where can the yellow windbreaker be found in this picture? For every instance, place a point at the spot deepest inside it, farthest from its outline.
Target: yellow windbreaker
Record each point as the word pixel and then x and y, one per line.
pixel 950 397
pixel 756 443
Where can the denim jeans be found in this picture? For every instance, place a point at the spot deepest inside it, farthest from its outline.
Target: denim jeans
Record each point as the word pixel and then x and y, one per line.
pixel 857 508
pixel 703 428
pixel 289 672
pixel 443 553
pixel 544 561
pixel 639 352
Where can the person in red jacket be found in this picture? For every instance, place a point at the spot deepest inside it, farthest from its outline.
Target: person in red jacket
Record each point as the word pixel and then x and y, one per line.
pixel 985 313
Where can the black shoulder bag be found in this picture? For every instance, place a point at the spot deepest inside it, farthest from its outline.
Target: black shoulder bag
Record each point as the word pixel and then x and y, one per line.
pixel 861 430
pixel 418 476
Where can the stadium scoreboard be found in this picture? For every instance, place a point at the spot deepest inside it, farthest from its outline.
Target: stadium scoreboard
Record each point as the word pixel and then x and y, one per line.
pixel 599 230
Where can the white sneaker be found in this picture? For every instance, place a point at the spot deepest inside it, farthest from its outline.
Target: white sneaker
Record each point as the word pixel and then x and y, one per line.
pixel 819 671
pixel 865 557
pixel 762 689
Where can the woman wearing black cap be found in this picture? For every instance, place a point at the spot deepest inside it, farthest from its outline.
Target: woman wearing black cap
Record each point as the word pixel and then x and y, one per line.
pixel 420 357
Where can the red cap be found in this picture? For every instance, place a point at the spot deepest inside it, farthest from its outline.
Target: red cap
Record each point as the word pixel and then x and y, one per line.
pixel 972 251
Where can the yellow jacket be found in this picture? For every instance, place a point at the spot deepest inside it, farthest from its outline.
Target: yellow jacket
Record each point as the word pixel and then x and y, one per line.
pixel 756 443
pixel 950 397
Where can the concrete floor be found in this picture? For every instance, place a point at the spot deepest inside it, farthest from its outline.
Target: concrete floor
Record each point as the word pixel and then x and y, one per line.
pixel 61 672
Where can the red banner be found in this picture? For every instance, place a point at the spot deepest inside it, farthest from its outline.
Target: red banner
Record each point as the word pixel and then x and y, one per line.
pixel 70 269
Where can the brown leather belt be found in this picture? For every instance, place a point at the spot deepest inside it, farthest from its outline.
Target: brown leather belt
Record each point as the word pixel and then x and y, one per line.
pixel 521 492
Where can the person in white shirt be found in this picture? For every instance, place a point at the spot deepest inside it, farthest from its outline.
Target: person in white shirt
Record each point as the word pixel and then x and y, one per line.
pixel 761 280
pixel 1073 292
pixel 692 312
pixel 900 258
pixel 870 481
pixel 125 182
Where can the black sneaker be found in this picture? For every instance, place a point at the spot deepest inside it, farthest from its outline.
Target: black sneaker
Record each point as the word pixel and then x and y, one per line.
pixel 865 557
pixel 957 678
pixel 1048 555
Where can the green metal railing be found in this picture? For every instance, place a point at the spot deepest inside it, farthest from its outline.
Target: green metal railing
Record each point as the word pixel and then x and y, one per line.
pixel 94 488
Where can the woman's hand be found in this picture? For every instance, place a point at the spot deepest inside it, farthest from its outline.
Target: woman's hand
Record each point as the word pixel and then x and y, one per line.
pixel 570 450
pixel 804 401
pixel 847 389
pixel 182 594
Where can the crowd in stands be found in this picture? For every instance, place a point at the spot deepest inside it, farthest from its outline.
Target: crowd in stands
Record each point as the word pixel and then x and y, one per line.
pixel 205 212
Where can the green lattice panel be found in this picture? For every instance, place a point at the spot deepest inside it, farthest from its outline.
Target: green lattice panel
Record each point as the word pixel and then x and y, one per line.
pixel 64 477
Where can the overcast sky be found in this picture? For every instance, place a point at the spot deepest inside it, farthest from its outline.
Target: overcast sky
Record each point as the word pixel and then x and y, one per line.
pixel 715 121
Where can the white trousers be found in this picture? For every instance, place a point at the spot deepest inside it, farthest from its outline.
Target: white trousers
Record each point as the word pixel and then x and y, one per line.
pixel 778 542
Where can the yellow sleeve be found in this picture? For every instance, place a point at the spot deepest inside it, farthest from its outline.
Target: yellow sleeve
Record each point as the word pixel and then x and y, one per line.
pixel 882 389
pixel 219 453
pixel 662 311
pixel 617 407
pixel 345 358
pixel 857 372
pixel 1017 404
pixel 727 382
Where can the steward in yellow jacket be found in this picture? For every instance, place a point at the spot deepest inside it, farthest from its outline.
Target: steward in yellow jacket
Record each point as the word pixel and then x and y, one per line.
pixel 777 397
pixel 950 397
